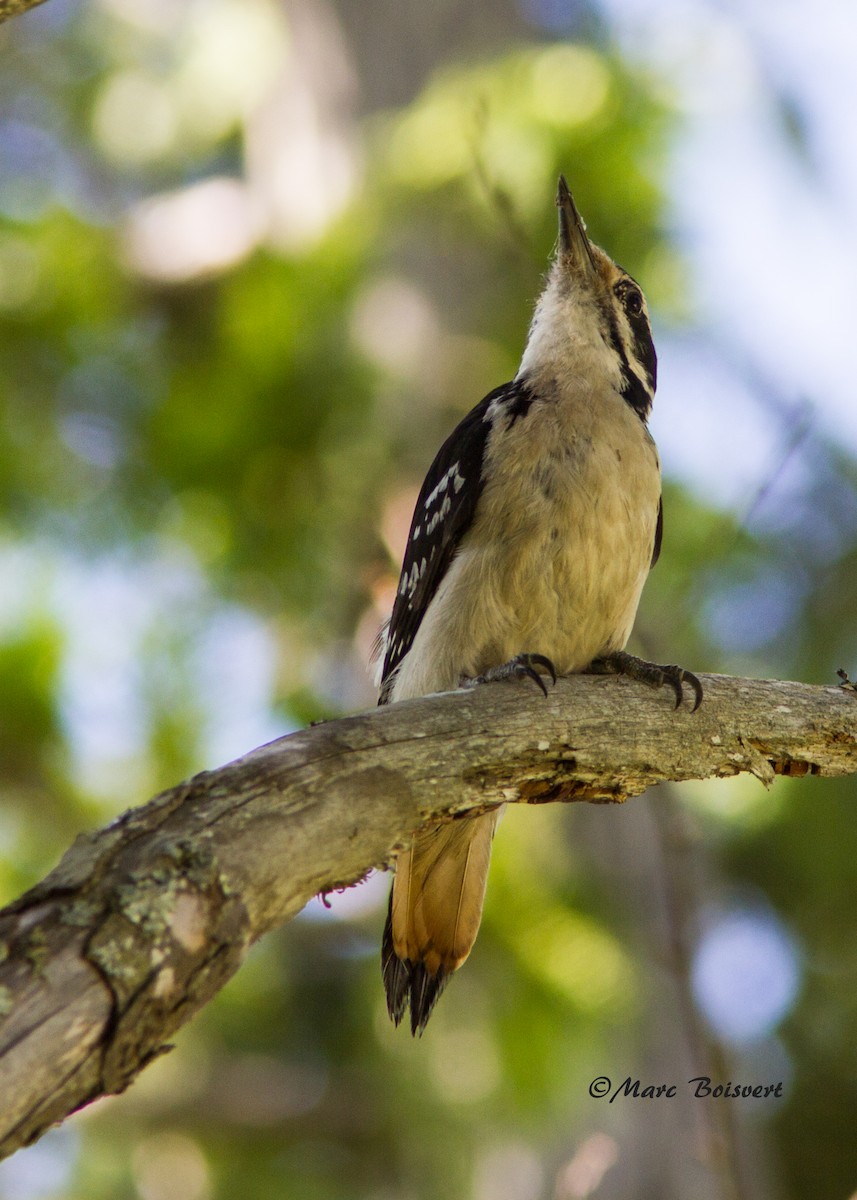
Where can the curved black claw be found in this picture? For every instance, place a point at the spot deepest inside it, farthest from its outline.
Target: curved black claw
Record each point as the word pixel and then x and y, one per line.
pixel 653 674
pixel 676 677
pixel 528 664
pixel 519 667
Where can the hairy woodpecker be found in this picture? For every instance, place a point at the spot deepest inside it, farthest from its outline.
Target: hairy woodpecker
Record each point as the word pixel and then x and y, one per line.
pixel 531 540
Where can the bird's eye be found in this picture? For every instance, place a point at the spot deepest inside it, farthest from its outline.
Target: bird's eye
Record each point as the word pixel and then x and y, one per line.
pixel 632 298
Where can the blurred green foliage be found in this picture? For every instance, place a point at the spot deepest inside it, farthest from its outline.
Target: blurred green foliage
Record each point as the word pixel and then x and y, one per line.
pixel 203 479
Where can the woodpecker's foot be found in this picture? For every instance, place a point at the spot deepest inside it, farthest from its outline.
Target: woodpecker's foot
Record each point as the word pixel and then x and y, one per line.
pixel 621 663
pixel 519 667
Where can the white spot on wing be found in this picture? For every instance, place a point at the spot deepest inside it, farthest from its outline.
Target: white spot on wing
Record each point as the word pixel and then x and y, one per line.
pixel 433 495
pixel 452 475
pixel 439 516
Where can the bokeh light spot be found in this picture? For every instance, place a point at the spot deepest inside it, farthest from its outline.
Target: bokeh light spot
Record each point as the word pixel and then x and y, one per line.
pixel 745 974
pixel 135 119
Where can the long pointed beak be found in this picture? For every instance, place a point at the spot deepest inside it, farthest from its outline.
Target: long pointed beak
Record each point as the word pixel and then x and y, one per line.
pixel 573 240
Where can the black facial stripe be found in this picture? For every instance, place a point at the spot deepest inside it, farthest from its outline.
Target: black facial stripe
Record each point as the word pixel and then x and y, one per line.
pixel 615 339
pixel 644 347
pixel 634 391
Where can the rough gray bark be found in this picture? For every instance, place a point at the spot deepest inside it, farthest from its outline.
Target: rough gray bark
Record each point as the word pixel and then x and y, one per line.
pixel 141 923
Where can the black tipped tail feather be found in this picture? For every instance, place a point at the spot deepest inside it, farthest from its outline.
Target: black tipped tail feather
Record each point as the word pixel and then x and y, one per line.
pixel 408 984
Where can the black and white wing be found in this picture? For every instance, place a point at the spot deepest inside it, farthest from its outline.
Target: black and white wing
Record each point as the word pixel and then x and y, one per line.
pixel 659 533
pixel 444 513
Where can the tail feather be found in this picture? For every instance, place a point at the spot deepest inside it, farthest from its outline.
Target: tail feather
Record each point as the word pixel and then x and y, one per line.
pixel 434 914
pixel 425 990
pixel 395 971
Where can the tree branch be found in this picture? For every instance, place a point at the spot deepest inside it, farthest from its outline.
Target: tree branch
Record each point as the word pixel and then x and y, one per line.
pixel 143 922
pixel 12 8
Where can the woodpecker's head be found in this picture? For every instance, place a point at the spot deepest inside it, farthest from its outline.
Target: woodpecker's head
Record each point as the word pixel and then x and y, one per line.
pixel 591 324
